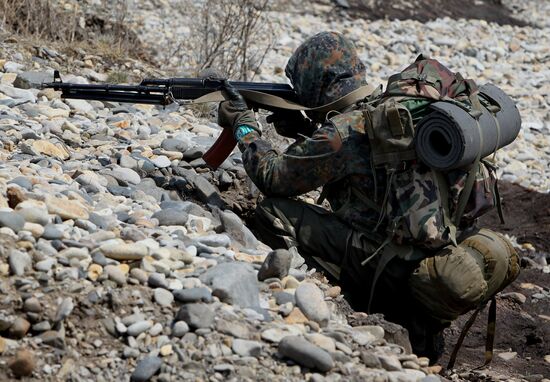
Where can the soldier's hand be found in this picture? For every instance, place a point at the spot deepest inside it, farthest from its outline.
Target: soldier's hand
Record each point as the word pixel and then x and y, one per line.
pixel 234 112
pixel 291 123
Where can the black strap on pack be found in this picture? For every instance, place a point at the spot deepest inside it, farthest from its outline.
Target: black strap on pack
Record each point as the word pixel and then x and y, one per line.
pixel 489 339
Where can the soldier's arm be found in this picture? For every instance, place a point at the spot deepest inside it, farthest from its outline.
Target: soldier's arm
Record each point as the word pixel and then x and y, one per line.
pixel 304 166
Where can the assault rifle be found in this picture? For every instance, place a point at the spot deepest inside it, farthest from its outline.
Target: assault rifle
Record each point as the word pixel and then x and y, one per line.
pixel 183 91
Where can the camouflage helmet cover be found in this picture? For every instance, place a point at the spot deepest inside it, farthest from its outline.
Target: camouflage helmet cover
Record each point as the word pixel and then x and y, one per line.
pixel 324 68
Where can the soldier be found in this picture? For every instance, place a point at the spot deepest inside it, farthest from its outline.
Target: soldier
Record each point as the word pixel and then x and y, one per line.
pixel 335 156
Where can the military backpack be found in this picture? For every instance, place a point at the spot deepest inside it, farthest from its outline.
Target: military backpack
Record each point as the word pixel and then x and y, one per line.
pixel 436 208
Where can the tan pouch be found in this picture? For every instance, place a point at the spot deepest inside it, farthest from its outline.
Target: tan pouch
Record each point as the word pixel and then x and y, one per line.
pixel 459 279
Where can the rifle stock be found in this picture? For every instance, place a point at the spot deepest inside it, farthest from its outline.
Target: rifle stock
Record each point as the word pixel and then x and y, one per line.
pixel 173 90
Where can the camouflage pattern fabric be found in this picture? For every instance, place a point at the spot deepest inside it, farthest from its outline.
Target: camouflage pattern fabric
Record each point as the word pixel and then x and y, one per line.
pixel 336 157
pixel 416 204
pixel 428 78
pixel 365 198
pixel 324 68
pixel 482 197
pixel 283 222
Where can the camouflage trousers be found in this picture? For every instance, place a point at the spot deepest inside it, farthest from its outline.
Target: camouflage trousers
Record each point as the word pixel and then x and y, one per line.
pixel 318 233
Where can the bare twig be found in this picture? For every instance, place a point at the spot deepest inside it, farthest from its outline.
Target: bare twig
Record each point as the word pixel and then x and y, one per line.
pixel 232 36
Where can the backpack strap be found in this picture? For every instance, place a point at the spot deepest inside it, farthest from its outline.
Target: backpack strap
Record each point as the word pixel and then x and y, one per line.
pixel 473 91
pixel 465 195
pixel 460 340
pixel 499 203
pixel 388 251
pixel 394 119
pixel 489 339
pixel 491 331
pixel 444 193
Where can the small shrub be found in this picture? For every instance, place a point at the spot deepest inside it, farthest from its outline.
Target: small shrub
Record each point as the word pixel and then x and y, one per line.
pixel 232 36
pixel 117 77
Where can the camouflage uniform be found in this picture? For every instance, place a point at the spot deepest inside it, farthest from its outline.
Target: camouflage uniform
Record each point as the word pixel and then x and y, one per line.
pixel 400 237
pixel 336 157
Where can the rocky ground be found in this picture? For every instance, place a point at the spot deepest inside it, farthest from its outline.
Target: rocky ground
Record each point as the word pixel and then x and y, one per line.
pixel 123 256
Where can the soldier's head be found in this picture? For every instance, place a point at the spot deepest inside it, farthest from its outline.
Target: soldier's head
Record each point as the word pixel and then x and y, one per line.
pixel 324 68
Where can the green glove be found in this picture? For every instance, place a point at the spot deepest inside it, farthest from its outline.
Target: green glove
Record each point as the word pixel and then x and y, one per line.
pixel 291 123
pixel 234 112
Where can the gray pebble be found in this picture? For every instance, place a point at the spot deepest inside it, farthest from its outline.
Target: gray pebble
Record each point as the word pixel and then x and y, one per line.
pixel 139 327
pixel 224 367
pixel 115 274
pixel 157 280
pixel 23 182
pixel 197 315
pixel 127 161
pixel 193 295
pixel 64 309
pixel 54 339
pixel 311 301
pixel 12 220
pixel 282 298
pixel 305 353
pixel 121 328
pixel 180 328
pixel 19 262
pixel 110 326
pixel 45 265
pixel 161 161
pixel 234 283
pixel 389 362
pixel 170 217
pixel 163 297
pixel 233 225
pixel 139 275
pixel 132 234
pixel 171 144
pixel 119 251
pixel 276 264
pixel 130 352
pixel 42 326
pixel 34 215
pixel 133 318
pixel 99 258
pixel 126 175
pixel 32 305
pixel 370 360
pixel 146 368
pixel 51 232
pixel 215 240
pixel 155 330
pixel 246 348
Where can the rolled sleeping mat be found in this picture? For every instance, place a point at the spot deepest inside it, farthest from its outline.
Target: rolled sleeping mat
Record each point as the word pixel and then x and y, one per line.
pixel 449 137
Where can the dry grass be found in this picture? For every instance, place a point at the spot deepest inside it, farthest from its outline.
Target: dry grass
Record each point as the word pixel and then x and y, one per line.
pixel 40 19
pixel 69 27
pixel 117 77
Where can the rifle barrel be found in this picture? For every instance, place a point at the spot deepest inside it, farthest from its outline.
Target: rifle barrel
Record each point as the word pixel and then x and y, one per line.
pixel 162 91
